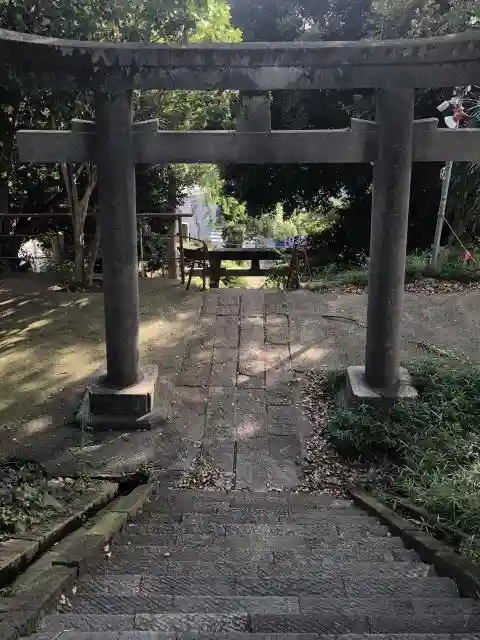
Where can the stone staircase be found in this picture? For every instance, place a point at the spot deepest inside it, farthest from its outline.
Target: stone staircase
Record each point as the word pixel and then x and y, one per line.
pixel 243 566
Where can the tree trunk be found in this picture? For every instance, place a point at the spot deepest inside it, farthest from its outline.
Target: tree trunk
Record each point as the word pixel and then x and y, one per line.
pixel 78 249
pixel 92 257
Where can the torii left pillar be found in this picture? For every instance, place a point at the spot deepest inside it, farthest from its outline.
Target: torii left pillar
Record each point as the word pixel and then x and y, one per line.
pixel 124 396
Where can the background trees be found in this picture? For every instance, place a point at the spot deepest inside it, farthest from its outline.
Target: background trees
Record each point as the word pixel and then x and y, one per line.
pixel 312 187
pixel 72 188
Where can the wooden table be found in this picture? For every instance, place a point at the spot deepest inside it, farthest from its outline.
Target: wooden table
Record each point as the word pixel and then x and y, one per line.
pixel 237 254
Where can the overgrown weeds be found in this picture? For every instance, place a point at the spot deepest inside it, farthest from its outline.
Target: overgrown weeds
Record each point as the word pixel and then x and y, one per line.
pixel 428 451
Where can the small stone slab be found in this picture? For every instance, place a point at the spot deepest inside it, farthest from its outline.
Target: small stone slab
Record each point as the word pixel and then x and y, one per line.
pixel 224 374
pixel 358 391
pixel 277 330
pixel 250 382
pixel 250 425
pixel 282 420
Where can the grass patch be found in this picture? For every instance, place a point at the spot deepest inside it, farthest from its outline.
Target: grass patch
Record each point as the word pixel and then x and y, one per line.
pixel 418 267
pixel 428 451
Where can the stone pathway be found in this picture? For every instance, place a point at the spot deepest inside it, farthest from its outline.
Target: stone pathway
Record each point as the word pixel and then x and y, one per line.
pixel 236 391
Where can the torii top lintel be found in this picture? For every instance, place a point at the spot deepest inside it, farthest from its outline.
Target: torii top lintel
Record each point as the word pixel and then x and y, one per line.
pixel 41 62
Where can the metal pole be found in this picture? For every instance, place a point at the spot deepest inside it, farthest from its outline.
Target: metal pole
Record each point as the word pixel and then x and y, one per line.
pixel 447 176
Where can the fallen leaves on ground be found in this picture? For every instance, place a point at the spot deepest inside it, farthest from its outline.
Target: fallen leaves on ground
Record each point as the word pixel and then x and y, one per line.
pixel 202 475
pixel 28 497
pixel 324 470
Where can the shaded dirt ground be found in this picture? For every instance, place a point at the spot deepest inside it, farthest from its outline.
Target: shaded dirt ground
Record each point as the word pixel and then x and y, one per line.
pixel 228 357
pixel 52 342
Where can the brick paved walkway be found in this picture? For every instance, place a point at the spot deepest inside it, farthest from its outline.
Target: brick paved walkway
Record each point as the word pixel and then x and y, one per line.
pixel 236 390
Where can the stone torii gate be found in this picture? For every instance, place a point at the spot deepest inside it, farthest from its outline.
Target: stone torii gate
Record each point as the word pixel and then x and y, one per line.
pixel 114 143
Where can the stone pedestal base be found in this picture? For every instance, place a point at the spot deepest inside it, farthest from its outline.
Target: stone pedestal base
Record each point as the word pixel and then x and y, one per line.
pixel 357 390
pixel 136 407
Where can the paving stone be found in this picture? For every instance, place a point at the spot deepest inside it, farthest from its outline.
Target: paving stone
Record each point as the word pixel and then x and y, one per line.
pixel 250 425
pixel 356 606
pixel 278 376
pixel 198 622
pixel 105 635
pixel 282 420
pixel 271 604
pixel 328 568
pixel 221 413
pixel 223 355
pixel 127 584
pixel 277 329
pixel 227 333
pixel 251 323
pixel 338 551
pixel 251 361
pixel 224 374
pixel 228 309
pixel 195 375
pixel 289 585
pixel 280 394
pixel 221 453
pixel 251 400
pixel 122 604
pixel 456 624
pixel 240 499
pixel 310 623
pixel 240 516
pixel 211 585
pixel 88 622
pixel 398 587
pixel 252 303
pixel 210 303
pixel 250 382
pixel 275 302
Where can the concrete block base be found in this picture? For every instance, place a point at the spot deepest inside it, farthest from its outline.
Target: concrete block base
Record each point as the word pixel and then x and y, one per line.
pixel 139 406
pixel 357 391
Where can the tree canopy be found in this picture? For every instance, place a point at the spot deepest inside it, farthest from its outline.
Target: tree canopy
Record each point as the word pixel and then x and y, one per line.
pixel 312 186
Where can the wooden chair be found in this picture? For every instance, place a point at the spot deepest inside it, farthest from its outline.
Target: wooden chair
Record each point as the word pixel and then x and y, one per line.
pixel 197 256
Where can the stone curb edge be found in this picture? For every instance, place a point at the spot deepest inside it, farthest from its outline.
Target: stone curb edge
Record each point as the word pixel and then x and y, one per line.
pixel 447 563
pixel 56 572
pixel 30 545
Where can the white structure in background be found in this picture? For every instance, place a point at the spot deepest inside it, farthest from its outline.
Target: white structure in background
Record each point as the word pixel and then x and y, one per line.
pixel 33 253
pixel 201 226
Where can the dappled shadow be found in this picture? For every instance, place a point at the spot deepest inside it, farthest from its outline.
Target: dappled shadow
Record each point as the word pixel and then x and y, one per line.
pixel 52 342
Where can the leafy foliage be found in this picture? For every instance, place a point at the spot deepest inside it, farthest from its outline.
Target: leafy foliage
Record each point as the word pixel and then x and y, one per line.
pixel 429 450
pixel 36 188
pixel 312 187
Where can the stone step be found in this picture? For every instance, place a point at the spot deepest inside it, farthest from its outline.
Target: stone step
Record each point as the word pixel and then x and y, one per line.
pixel 158 635
pixel 212 501
pixel 249 515
pixel 220 580
pixel 133 603
pixel 252 516
pixel 338 551
pixel 260 623
pixel 327 567
pixel 341 528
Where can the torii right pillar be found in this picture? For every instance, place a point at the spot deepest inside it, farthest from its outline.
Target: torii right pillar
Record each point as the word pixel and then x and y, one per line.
pixel 382 380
